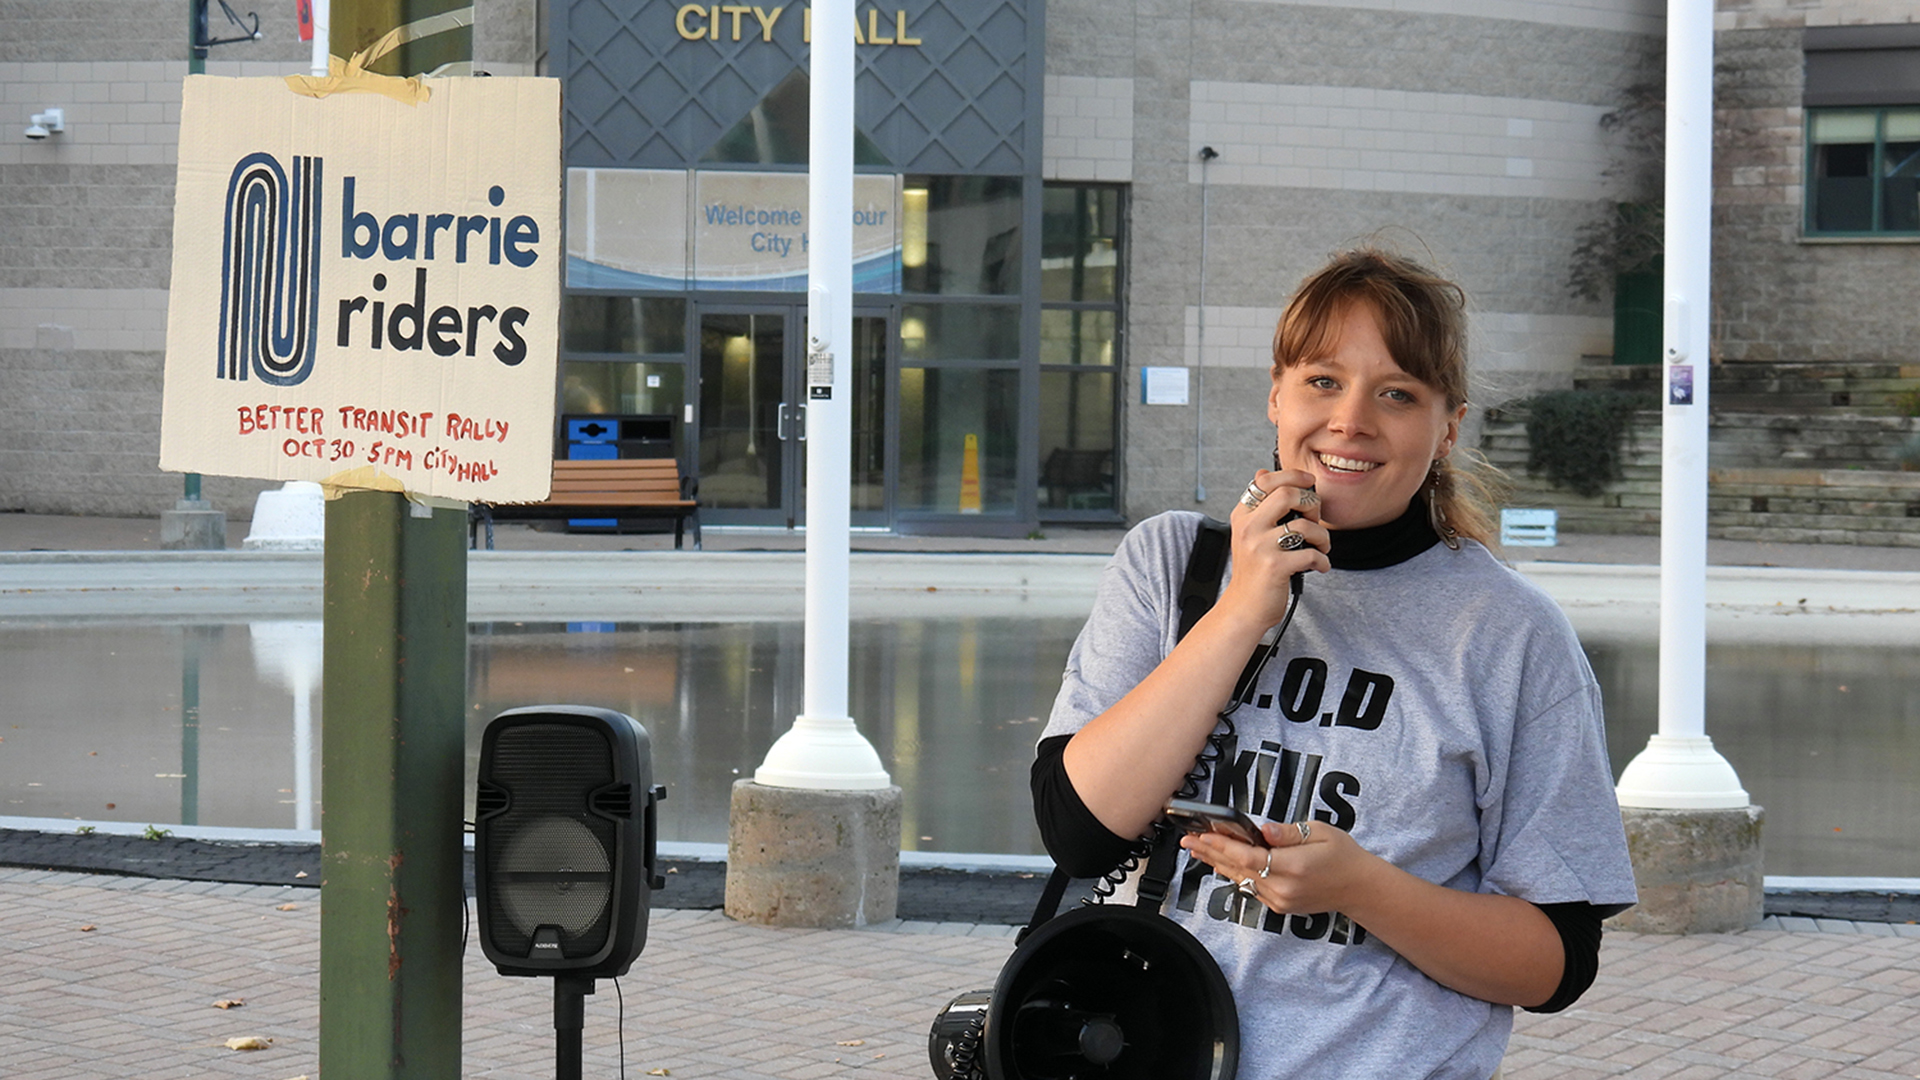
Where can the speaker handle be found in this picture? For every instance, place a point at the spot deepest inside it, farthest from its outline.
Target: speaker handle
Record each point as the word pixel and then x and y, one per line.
pixel 651 859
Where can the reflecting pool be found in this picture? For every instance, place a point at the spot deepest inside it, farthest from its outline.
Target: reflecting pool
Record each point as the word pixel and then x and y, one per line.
pixel 170 724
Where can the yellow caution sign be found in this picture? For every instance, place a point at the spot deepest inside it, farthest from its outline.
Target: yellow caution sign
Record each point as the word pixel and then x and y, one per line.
pixel 970 476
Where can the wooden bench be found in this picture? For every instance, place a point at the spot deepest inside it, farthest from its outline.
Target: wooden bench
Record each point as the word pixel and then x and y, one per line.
pixel 627 489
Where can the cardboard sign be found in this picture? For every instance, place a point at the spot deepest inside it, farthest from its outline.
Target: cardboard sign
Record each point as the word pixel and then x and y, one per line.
pixel 366 292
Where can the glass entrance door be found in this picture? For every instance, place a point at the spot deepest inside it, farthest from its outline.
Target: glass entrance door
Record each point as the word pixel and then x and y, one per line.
pixel 753 416
pixel 748 427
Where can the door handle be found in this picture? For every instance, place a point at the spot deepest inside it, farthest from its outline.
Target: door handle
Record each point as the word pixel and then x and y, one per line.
pixel 800 419
pixel 780 423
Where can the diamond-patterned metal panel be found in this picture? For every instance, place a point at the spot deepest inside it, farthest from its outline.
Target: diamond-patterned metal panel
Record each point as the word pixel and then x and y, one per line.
pixel 640 94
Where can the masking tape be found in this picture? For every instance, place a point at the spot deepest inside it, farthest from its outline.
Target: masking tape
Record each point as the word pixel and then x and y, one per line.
pixel 350 76
pixel 370 478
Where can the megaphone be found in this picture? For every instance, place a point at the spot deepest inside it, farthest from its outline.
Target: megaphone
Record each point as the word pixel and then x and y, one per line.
pixel 1106 991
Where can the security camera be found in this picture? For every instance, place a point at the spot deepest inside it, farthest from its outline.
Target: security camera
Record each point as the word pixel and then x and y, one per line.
pixel 46 123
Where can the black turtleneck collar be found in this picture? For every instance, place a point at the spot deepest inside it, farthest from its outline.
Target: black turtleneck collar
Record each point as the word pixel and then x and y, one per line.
pixel 1384 545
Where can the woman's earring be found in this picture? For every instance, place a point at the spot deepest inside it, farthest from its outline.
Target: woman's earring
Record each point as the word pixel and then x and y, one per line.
pixel 1437 515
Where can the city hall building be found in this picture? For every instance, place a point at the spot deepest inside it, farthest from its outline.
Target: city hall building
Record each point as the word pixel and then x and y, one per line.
pixel 1075 225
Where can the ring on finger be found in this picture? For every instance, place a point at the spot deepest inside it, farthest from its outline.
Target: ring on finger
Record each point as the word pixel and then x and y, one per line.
pixel 1252 497
pixel 1290 540
pixel 1267 869
pixel 1247 889
pixel 1306 830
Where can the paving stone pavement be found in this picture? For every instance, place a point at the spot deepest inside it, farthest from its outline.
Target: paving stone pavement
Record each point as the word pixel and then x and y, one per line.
pixel 115 977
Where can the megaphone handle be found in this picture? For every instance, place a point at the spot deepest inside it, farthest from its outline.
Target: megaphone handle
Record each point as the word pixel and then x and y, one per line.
pixel 1049 905
pixel 1158 877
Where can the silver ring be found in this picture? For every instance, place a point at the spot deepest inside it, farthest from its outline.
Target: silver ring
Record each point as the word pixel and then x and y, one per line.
pixel 1267 869
pixel 1306 830
pixel 1252 497
pixel 1290 540
pixel 1247 889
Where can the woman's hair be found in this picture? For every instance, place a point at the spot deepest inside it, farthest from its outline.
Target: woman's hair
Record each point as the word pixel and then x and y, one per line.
pixel 1423 319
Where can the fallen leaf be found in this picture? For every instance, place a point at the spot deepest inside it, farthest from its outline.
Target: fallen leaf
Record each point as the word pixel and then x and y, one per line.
pixel 229 1003
pixel 851 1042
pixel 87 928
pixel 248 1042
pixel 658 1072
pixel 301 874
pixel 286 907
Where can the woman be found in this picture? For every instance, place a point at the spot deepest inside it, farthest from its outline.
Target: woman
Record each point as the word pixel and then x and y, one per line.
pixel 1426 745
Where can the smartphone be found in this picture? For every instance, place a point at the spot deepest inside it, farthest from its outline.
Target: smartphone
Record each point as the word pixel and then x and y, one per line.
pixel 1197 816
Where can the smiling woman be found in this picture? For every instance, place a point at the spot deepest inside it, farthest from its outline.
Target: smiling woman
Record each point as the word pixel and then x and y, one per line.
pixel 1425 743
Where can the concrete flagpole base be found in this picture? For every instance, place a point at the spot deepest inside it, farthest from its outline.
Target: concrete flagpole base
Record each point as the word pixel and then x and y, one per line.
pixel 193 525
pixel 1698 871
pixel 804 857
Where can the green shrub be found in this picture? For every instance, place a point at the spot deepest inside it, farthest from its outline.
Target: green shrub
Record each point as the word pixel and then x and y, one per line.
pixel 1574 437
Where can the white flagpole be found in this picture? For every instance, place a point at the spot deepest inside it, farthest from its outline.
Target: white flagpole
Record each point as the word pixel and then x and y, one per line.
pixel 1680 769
pixel 824 750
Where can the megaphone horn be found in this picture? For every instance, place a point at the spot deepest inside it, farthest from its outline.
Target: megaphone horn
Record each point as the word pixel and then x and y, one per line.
pixel 1109 991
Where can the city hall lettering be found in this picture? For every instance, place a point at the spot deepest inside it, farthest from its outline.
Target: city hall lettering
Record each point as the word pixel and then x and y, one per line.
pixel 736 22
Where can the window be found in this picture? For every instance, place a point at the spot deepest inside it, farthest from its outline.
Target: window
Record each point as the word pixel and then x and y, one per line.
pixel 960 235
pixel 1862 96
pixel 623 356
pixel 1079 344
pixel 1863 171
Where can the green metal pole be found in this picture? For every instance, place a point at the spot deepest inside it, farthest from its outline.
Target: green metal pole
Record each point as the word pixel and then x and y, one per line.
pixel 393 750
pixel 391 783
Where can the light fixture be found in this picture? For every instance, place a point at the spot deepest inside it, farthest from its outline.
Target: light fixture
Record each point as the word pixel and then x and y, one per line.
pixel 51 122
pixel 913 227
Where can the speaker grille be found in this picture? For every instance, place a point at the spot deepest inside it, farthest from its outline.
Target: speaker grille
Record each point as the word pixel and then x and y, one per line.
pixel 555 862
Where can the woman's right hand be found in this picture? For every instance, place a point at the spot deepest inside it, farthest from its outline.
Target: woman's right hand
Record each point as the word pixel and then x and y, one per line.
pixel 1262 568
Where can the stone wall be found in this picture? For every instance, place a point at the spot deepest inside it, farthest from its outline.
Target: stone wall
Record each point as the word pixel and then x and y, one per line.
pixel 1777 295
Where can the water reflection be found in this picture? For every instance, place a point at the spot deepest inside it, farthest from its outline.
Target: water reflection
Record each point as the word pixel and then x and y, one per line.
pixel 165 724
pixel 952 706
pixel 290 652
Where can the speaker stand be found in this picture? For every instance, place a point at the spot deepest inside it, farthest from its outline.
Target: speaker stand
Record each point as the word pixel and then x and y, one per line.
pixel 569 1019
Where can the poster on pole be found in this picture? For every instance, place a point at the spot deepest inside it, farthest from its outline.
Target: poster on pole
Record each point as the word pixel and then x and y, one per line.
pixel 366 286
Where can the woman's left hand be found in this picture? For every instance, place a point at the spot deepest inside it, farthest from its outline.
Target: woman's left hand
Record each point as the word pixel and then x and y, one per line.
pixel 1496 948
pixel 1303 870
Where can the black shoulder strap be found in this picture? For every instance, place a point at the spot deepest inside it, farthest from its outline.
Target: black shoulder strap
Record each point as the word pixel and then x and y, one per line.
pixel 1201 586
pixel 1198 590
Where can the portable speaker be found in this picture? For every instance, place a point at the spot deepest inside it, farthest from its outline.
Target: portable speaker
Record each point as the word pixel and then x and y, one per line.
pixel 564 841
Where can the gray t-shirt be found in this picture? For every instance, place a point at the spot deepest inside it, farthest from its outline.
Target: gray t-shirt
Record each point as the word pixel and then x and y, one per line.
pixel 1441 711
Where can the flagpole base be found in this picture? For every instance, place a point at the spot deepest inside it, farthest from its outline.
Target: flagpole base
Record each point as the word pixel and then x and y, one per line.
pixel 809 858
pixel 1698 871
pixel 1680 772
